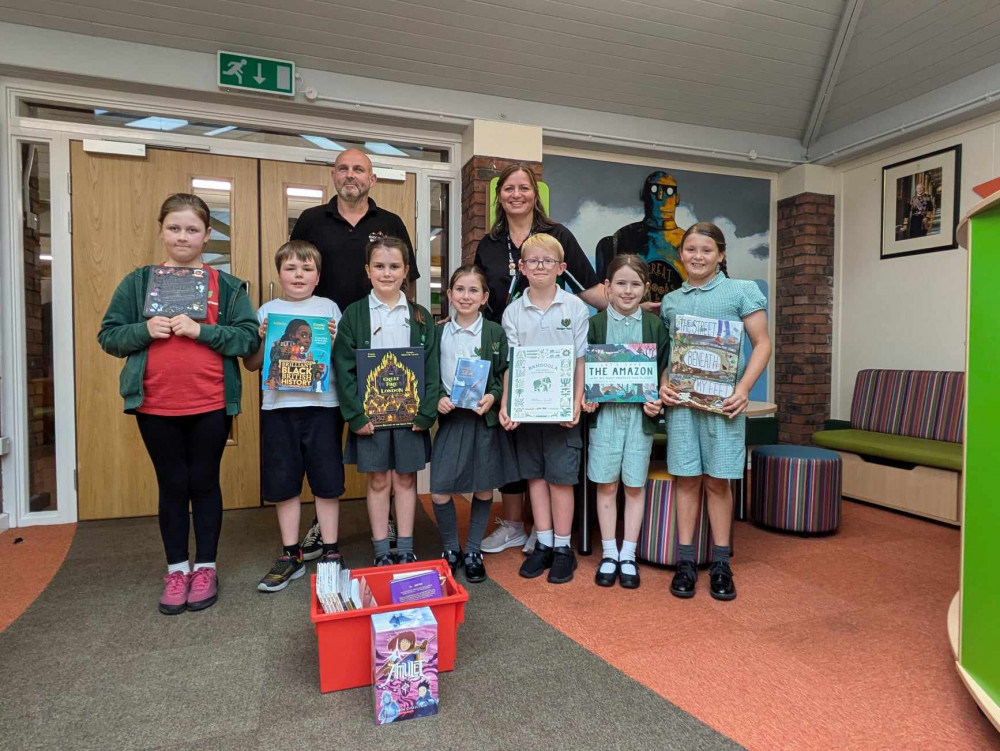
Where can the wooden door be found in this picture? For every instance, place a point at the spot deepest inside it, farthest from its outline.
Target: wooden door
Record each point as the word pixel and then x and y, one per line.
pixel 115 202
pixel 288 189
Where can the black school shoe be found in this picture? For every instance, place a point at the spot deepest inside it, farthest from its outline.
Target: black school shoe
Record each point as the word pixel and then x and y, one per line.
pixel 454 558
pixel 684 580
pixel 536 563
pixel 406 557
pixel 629 581
pixel 606 580
pixel 563 565
pixel 721 578
pixel 475 570
pixel 385 560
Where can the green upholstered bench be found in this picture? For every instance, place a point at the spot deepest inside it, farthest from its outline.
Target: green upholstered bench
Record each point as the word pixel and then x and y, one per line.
pixel 902 447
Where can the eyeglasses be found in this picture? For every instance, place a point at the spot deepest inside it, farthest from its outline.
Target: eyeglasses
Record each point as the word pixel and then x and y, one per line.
pixel 534 263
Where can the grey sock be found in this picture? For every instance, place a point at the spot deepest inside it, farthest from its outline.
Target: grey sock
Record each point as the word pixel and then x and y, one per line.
pixel 478 520
pixel 685 553
pixel 444 514
pixel 381 547
pixel 720 554
pixel 404 545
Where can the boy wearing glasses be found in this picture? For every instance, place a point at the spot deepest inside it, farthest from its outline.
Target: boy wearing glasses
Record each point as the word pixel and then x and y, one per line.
pixel 548 454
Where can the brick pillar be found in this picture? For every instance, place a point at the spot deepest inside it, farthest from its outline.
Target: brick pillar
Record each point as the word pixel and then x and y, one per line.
pixel 476 176
pixel 804 315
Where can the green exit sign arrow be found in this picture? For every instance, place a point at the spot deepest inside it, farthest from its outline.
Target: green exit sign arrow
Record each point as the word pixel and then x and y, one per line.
pixel 252 73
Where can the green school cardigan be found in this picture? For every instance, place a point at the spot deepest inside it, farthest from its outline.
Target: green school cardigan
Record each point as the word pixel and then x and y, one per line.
pixel 492 347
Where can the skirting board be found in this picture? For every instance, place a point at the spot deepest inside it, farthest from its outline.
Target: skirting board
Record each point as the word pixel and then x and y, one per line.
pixel 4 522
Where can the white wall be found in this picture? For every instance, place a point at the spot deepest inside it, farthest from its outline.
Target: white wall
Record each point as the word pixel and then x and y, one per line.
pixel 902 312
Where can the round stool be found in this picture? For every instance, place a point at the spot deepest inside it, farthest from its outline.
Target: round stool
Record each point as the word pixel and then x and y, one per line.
pixel 658 538
pixel 796 488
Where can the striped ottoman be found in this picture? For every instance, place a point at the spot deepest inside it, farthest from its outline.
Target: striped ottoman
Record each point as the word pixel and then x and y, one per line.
pixel 658 538
pixel 796 488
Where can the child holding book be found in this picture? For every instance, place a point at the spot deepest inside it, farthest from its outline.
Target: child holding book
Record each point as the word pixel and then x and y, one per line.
pixel 621 435
pixel 548 454
pixel 706 449
pixel 181 380
pixel 300 431
pixel 471 453
pixel 391 457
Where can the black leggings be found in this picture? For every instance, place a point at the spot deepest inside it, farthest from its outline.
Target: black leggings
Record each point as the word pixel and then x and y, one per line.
pixel 186 453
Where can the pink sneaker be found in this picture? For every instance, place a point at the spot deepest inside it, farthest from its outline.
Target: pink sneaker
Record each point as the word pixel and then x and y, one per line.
pixel 204 589
pixel 175 593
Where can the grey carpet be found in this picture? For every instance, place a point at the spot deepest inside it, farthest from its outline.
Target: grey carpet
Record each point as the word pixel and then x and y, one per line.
pixel 93 665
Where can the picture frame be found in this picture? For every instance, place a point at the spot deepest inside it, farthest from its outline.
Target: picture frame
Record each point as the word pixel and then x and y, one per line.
pixel 920 204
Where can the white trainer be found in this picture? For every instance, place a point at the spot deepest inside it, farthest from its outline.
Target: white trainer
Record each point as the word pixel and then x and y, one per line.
pixel 503 537
pixel 529 545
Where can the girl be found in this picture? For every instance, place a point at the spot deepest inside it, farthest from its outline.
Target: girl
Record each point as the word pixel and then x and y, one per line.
pixel 391 457
pixel 182 382
pixel 705 448
pixel 472 454
pixel 621 435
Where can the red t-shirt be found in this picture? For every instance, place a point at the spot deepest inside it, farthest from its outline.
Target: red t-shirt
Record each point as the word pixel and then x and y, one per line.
pixel 183 376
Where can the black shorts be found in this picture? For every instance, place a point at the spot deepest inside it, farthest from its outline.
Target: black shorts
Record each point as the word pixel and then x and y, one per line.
pixel 549 451
pixel 297 441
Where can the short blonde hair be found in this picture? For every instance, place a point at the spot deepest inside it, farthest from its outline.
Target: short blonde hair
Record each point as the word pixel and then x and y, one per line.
pixel 299 250
pixel 545 242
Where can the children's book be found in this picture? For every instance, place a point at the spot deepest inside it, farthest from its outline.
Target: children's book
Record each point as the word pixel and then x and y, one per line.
pixel 704 358
pixel 414 585
pixel 541 383
pixel 620 373
pixel 469 386
pixel 391 385
pixel 404 664
pixel 336 590
pixel 296 353
pixel 173 291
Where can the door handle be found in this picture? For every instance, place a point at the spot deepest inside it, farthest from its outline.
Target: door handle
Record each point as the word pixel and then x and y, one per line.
pixel 270 290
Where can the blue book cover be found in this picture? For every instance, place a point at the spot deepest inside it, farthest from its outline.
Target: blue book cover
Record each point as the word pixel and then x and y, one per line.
pixel 469 386
pixel 296 354
pixel 620 373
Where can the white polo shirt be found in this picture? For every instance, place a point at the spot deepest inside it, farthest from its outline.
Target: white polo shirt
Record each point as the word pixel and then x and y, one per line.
pixel 457 342
pixel 390 326
pixel 563 322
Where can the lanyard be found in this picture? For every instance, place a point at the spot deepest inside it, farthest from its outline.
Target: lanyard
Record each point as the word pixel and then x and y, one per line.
pixel 512 269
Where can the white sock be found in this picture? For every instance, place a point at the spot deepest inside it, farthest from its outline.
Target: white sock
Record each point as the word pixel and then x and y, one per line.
pixel 545 538
pixel 204 565
pixel 609 549
pixel 561 541
pixel 184 567
pixel 628 558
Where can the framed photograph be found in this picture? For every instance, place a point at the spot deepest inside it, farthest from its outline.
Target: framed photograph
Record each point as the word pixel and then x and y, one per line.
pixel 920 203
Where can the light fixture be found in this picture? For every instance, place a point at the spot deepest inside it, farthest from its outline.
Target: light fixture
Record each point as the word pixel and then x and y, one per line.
pixel 157 123
pixel 100 112
pixel 220 131
pixel 384 149
pixel 324 143
pixel 211 184
pixel 303 193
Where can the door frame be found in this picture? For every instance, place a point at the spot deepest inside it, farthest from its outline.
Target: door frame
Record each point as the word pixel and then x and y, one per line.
pixel 15 130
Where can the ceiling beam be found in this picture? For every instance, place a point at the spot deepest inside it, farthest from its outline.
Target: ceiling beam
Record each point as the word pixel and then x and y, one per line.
pixel 838 53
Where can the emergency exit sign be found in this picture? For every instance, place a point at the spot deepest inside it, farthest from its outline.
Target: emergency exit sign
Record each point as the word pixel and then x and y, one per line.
pixel 263 74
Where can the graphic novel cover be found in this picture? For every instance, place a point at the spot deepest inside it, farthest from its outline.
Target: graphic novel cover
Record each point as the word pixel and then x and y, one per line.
pixel 469 385
pixel 391 385
pixel 405 665
pixel 541 383
pixel 704 358
pixel 296 354
pixel 174 290
pixel 620 373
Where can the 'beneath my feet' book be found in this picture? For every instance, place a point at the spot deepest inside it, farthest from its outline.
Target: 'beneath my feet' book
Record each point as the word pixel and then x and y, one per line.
pixel 297 353
pixel 391 385
pixel 174 291
pixel 405 664
pixel 469 385
pixel 704 358
pixel 620 373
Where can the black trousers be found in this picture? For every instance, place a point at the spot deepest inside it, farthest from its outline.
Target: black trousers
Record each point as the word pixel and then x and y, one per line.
pixel 186 453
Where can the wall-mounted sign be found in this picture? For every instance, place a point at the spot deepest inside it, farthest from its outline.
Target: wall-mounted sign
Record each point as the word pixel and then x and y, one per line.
pixel 263 74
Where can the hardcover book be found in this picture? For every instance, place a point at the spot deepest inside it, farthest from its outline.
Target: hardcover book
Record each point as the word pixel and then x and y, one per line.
pixel 404 665
pixel 173 291
pixel 541 384
pixel 620 373
pixel 391 385
pixel 414 585
pixel 469 385
pixel 297 354
pixel 704 358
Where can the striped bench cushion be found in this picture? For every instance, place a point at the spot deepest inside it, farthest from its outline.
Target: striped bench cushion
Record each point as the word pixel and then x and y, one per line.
pixel 916 403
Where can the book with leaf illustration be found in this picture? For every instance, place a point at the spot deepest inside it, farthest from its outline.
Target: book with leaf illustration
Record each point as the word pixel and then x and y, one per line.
pixel 704 360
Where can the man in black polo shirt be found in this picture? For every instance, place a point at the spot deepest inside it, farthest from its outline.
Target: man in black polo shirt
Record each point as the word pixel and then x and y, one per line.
pixel 341 228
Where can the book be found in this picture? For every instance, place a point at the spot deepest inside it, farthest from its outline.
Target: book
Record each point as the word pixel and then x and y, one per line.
pixel 620 373
pixel 404 665
pixel 174 291
pixel 541 383
pixel 413 586
pixel 391 385
pixel 704 360
pixel 469 385
pixel 335 589
pixel 296 354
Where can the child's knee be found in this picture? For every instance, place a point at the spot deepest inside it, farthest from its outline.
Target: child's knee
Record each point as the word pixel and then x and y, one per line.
pixel 404 481
pixel 439 499
pixel 688 483
pixel 716 485
pixel 378 481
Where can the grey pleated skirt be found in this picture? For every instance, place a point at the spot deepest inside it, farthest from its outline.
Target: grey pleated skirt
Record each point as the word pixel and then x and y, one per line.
pixel 470 457
pixel 402 449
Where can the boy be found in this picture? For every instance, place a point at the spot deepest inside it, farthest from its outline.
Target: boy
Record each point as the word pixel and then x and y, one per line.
pixel 548 455
pixel 300 431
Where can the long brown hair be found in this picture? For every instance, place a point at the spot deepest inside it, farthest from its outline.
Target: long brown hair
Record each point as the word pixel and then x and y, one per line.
pixel 712 232
pixel 540 221
pixel 388 242
pixel 184 202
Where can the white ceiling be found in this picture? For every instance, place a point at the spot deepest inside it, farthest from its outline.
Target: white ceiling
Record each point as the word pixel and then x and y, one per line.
pixel 747 65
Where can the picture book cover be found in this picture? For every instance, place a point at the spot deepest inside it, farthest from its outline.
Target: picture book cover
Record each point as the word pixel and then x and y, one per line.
pixel 469 386
pixel 173 291
pixel 297 353
pixel 404 665
pixel 704 358
pixel 391 385
pixel 541 383
pixel 620 373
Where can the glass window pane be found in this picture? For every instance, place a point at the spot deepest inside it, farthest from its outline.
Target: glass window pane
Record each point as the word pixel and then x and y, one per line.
pixel 439 242
pixel 297 200
pixel 216 192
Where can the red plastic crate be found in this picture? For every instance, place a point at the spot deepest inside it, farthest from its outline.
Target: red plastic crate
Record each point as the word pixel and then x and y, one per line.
pixel 345 639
